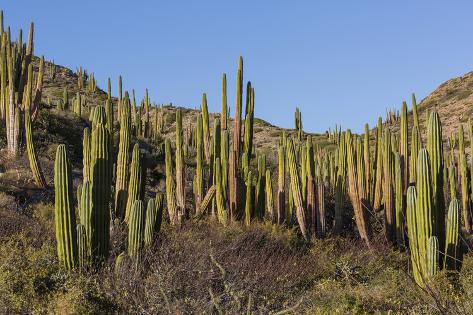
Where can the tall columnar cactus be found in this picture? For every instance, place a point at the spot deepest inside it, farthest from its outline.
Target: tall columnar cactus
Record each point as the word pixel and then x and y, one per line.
pixel 296 190
pixel 150 222
pixel 101 181
pixel 420 218
pixel 170 186
pixel 136 231
pixel 249 121
pixel 298 123
pixel 199 175
pixel 414 111
pixel 413 221
pixel 281 183
pixel 123 159
pixel 224 160
pixel 453 250
pixel 224 102
pixel 85 214
pixel 86 143
pixel 432 256
pixel 206 128
pixel 82 249
pixel 249 199
pixel 321 222
pixel 269 196
pixel 311 199
pixel 259 188
pixel 135 189
pixel 180 167
pixel 222 212
pixel 355 187
pixel 340 185
pixel 388 193
pixel 378 183
pixel 399 202
pixel 404 147
pixel 109 113
pixel 435 149
pixel 237 123
pixel 65 217
pixel 452 179
pixel 367 163
pixel 32 157
pixel 464 180
pixel 416 145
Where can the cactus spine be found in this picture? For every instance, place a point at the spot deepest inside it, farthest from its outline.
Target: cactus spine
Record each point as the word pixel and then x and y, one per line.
pixel 65 217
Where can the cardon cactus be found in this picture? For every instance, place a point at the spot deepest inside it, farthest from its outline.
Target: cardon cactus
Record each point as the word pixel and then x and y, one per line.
pixel 269 197
pixel 404 147
pixel 206 128
pixel 296 189
pixel 435 149
pixel 432 256
pixel 249 199
pixel 135 189
pixel 204 205
pixel 224 114
pixel 170 190
pixel 416 145
pixel 32 157
pixel 388 190
pixel 86 143
pixel 123 159
pixel 464 180
pixel 65 217
pixel 180 167
pixel 82 247
pixel 453 250
pixel 340 185
pixel 399 200
pixel 85 213
pixel 281 184
pixel 136 230
pixel 222 212
pixel 101 180
pixel 378 177
pixel 150 222
pixel 199 157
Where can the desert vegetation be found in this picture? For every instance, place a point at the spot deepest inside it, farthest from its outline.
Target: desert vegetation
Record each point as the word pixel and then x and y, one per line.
pixel 118 205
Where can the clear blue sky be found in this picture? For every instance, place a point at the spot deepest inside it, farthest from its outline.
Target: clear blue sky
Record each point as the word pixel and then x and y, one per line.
pixel 340 61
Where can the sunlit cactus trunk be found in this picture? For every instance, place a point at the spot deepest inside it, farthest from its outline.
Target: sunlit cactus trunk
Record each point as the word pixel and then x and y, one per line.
pixel 65 217
pixel 281 184
pixel 180 167
pixel 121 191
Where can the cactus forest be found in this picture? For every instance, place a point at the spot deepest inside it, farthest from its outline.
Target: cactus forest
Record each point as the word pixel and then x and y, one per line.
pixel 144 200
